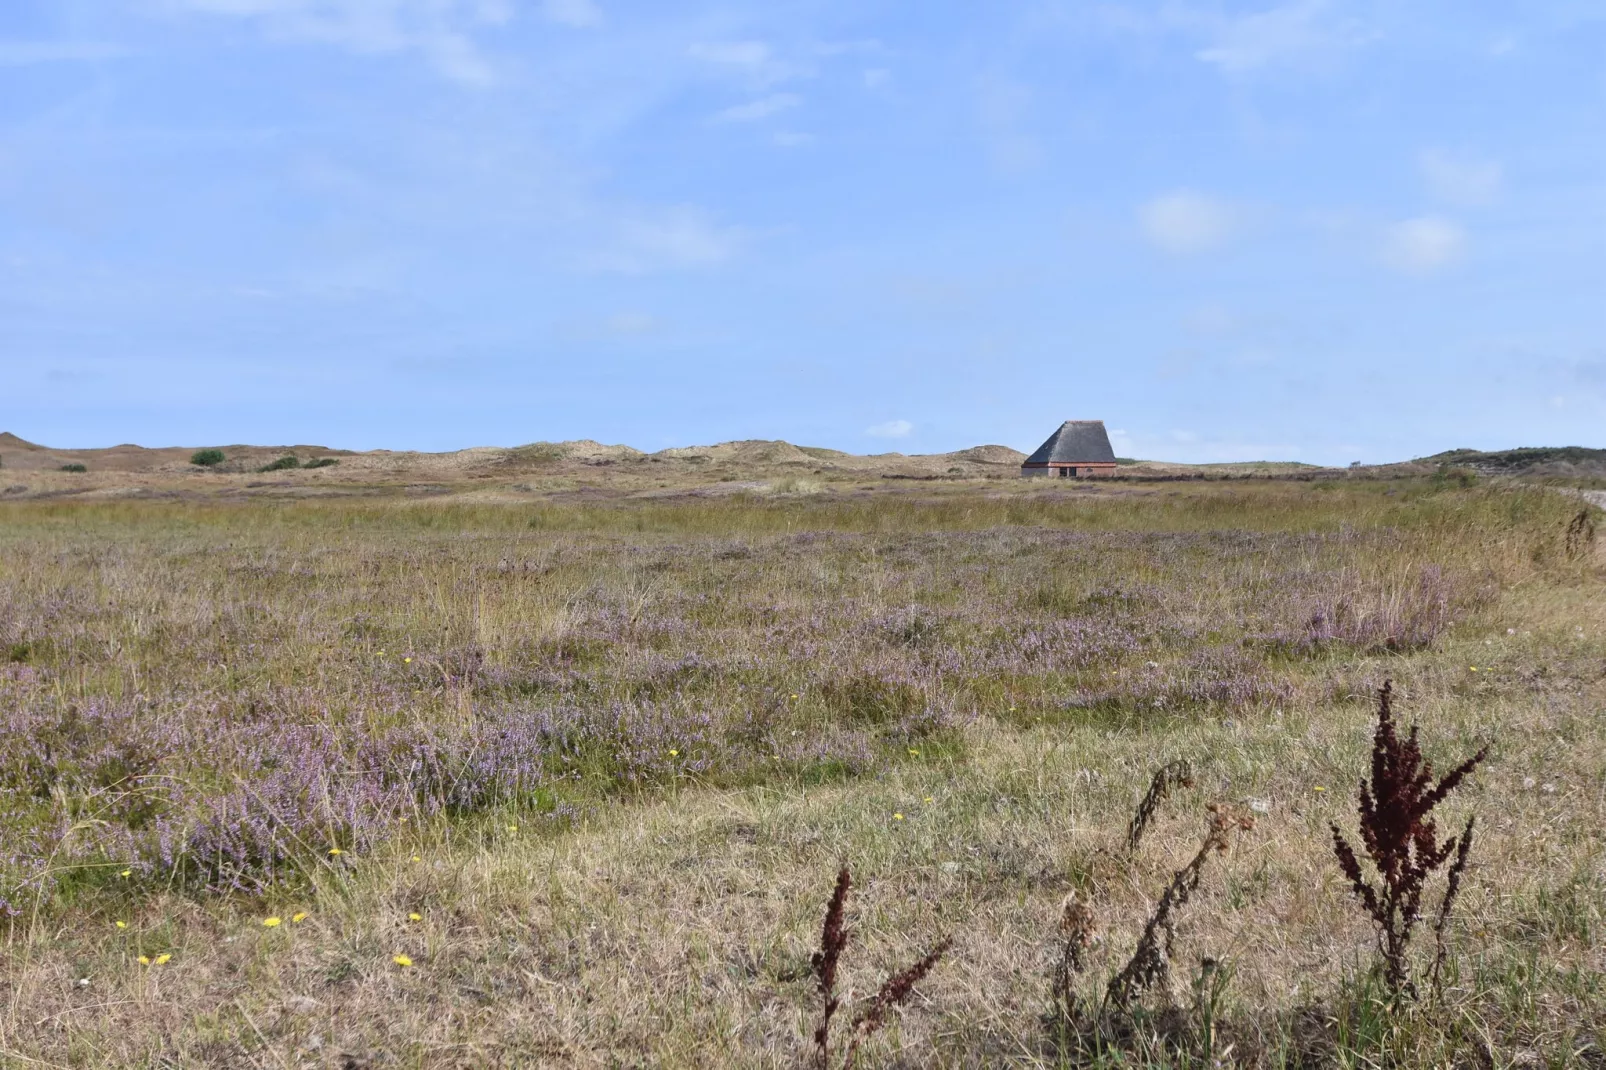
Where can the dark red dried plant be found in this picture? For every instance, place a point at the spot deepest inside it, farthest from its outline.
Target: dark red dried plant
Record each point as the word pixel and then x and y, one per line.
pixel 833 940
pixel 1401 841
pixel 894 990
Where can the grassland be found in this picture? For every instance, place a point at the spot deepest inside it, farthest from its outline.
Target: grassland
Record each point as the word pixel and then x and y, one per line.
pixel 590 767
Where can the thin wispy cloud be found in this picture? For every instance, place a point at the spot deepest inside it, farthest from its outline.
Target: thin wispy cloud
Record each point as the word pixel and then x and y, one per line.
pixel 1423 246
pixel 1186 222
pixel 22 53
pixel 680 237
pixel 762 108
pixel 438 30
pixel 746 54
pixel 1462 180
pixel 891 429
pixel 1307 35
pixel 581 14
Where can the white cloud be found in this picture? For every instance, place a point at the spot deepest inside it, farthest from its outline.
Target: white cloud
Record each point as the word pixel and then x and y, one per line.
pixel 1300 35
pixel 679 237
pixel 577 13
pixel 1186 222
pixel 890 429
pixel 1422 246
pixel 436 29
pixel 762 108
pixel 21 53
pixel 1460 179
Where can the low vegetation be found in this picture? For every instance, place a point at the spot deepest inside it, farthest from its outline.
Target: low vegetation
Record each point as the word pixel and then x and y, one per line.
pixel 356 783
pixel 207 458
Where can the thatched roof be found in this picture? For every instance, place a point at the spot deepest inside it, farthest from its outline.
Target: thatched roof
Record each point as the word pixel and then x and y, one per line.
pixel 1076 442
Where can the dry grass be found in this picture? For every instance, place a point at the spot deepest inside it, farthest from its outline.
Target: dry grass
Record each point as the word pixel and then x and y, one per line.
pixel 672 924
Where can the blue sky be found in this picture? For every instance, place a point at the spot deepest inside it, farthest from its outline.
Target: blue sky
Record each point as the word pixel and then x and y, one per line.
pixel 1316 230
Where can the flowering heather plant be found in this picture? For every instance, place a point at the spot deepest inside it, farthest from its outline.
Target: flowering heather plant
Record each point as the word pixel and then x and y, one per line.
pixel 293 700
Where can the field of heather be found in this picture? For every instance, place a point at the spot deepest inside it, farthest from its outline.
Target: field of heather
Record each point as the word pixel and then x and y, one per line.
pixel 374 783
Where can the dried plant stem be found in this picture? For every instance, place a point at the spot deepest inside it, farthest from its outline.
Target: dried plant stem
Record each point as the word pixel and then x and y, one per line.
pixel 1401 841
pixel 833 939
pixel 1166 779
pixel 1150 963
pixel 894 990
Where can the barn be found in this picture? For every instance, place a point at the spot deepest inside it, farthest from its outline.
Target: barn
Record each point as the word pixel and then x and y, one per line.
pixel 1079 448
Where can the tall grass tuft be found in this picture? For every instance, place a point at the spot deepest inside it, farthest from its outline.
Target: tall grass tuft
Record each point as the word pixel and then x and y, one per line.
pixel 1401 842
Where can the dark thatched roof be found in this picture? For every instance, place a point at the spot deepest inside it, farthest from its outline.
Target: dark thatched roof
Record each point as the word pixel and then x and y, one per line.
pixel 1076 442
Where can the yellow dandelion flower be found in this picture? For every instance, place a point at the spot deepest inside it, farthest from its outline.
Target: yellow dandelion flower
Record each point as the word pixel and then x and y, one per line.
pixel 674 753
pixel 415 916
pixel 122 924
pixel 333 851
pixel 402 961
pixel 162 960
pixel 417 859
pixel 930 799
pixel 299 917
pixel 272 923
pixel 1472 668
pixel 897 817
pixel 126 873
pixel 512 828
pixel 144 961
pixel 794 698
pixel 407 661
pixel 1318 787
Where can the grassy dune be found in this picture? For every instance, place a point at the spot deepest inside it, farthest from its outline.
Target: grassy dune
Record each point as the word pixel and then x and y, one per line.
pixel 591 769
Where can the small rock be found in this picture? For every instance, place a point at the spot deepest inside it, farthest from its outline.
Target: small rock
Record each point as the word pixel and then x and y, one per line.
pixel 1260 806
pixel 950 867
pixel 1528 782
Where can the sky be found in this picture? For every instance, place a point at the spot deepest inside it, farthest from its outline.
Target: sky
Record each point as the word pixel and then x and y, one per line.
pixel 1316 230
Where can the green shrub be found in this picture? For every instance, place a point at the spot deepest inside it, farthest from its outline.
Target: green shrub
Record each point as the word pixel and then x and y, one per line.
pixel 207 458
pixel 73 468
pixel 281 464
pixel 322 462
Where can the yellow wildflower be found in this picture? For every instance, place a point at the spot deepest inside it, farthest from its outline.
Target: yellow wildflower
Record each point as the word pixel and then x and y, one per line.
pixel 162 960
pixel 415 916
pixel 674 753
pixel 913 753
pixel 897 817
pixel 512 828
pixel 273 923
pixel 122 924
pixel 299 917
pixel 1319 788
pixel 402 961
pixel 335 851
pixel 126 873
pixel 930 799
pixel 144 961
pixel 417 859
pixel 407 661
